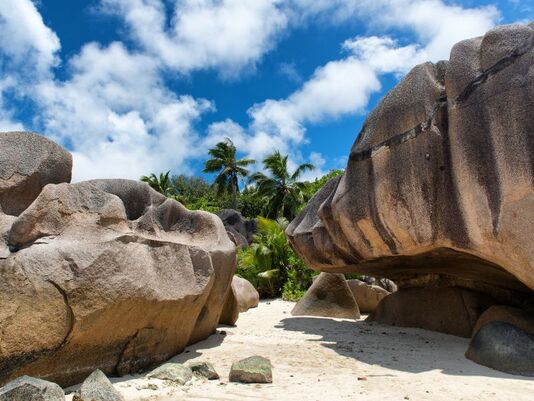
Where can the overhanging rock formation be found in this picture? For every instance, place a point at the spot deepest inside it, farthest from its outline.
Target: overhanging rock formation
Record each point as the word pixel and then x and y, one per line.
pixel 439 187
pixel 105 274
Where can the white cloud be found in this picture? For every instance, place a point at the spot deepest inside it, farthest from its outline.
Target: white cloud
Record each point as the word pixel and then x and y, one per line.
pixel 343 87
pixel 24 38
pixel 224 34
pixel 383 54
pixel 437 24
pixel 339 88
pixel 117 115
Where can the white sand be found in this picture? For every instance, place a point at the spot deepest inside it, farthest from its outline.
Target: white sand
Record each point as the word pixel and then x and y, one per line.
pixel 322 359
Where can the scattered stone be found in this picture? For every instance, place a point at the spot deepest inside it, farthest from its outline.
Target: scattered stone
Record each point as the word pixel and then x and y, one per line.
pixel 173 372
pixel 204 369
pixel 329 296
pixel 241 297
pixel 27 388
pixel 255 369
pixel 148 386
pixel 367 296
pixel 97 387
pixel 501 346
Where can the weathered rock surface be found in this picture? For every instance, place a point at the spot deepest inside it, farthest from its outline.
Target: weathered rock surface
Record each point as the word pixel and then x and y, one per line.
pixel 97 387
pixel 447 310
pixel 108 275
pixel 438 195
pixel 241 297
pixel 173 372
pixel 384 283
pixel 255 369
pixel 502 346
pixel 514 316
pixel 241 229
pixel 204 369
pixel 367 296
pixel 27 163
pixel 440 179
pixel 27 388
pixel 329 296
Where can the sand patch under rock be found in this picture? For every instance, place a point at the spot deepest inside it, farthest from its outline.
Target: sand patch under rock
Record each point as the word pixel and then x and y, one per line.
pixel 323 359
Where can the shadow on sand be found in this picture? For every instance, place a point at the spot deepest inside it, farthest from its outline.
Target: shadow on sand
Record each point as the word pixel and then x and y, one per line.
pixel 397 348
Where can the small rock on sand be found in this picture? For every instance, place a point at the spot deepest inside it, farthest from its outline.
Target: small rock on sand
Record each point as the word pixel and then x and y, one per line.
pixel 204 369
pixel 255 369
pixel 173 372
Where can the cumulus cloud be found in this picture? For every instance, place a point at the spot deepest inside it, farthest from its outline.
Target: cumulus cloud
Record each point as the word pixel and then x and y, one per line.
pixel 117 115
pixel 343 87
pixel 339 88
pixel 115 112
pixel 224 34
pixel 437 24
pixel 24 38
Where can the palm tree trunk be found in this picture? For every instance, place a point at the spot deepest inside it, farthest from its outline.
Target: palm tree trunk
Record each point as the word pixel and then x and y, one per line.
pixel 234 193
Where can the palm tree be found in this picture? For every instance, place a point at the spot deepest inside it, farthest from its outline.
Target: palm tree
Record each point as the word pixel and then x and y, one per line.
pixel 282 189
pixel 162 184
pixel 229 168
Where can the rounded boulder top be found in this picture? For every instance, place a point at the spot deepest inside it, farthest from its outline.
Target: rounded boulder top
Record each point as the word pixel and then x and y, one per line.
pixel 28 162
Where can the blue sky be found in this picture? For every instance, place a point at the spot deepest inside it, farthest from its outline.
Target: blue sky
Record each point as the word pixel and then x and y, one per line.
pixel 138 86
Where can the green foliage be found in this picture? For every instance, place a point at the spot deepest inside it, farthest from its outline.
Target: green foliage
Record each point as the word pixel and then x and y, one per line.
pixel 314 186
pixel 282 191
pixel 250 203
pixel 162 184
pixel 196 193
pixel 229 169
pixel 271 265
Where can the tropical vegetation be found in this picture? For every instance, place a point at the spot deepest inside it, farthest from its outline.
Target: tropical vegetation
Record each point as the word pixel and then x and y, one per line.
pixel 161 183
pixel 273 197
pixel 271 265
pixel 229 169
pixel 281 189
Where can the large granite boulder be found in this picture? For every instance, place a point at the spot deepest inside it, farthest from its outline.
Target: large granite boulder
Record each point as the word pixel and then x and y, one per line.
pixel 440 175
pixel 241 297
pixel 108 275
pixel 505 347
pixel 241 230
pixel 27 163
pixel 440 180
pixel 438 191
pixel 447 310
pixel 328 296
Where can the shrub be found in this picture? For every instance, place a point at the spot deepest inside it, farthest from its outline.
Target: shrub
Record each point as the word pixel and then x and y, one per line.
pixel 271 265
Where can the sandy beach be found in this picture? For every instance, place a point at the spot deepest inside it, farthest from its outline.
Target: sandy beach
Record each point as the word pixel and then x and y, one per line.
pixel 334 359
